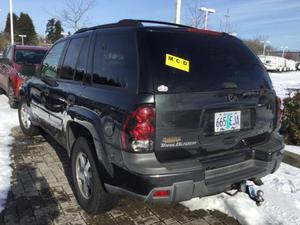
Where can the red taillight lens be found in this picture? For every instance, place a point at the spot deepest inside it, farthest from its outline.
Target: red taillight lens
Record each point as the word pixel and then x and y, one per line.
pixel 138 130
pixel 144 114
pixel 142 131
pixel 161 193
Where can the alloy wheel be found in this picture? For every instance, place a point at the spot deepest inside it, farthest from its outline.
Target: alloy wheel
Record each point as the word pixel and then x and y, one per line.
pixel 25 116
pixel 84 175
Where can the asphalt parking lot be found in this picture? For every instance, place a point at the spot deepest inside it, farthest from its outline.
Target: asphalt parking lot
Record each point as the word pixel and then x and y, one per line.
pixel 42 193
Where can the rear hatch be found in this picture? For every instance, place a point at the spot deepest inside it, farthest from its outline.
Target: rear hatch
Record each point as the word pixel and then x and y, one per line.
pixel 213 97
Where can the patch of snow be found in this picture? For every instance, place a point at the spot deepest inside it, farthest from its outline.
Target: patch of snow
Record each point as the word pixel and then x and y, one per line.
pixel 282 81
pixel 293 149
pixel 8 120
pixel 281 206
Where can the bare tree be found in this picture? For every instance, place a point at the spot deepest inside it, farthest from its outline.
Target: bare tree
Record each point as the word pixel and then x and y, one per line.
pixel 195 17
pixel 226 24
pixel 256 44
pixel 73 15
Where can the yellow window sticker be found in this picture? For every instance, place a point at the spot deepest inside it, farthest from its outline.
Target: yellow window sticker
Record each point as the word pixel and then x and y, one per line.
pixel 178 63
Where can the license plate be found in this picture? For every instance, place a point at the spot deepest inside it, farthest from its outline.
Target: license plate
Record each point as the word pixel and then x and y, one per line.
pixel 227 121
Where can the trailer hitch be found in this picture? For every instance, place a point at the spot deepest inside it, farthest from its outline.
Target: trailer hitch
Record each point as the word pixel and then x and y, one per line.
pixel 250 190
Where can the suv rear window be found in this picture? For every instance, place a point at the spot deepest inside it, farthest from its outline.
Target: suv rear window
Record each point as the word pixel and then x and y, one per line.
pixel 210 62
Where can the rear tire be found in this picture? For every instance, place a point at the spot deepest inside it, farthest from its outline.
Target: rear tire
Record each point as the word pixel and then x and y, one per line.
pixel 89 189
pixel 12 101
pixel 25 120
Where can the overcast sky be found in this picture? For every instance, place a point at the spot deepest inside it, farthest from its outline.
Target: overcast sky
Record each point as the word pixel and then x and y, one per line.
pixel 279 20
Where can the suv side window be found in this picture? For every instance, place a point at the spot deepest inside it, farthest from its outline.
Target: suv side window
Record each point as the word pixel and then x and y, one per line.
pixel 115 60
pixel 82 60
pixel 68 68
pixel 51 61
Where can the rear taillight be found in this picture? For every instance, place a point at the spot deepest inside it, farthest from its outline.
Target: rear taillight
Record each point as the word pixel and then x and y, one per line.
pixel 161 193
pixel 279 111
pixel 138 130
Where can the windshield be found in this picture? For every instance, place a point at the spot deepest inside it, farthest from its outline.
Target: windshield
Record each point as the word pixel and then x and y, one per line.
pixel 188 61
pixel 27 56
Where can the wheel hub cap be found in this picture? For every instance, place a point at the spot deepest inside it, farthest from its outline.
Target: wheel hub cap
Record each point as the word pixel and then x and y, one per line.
pixel 84 175
pixel 25 116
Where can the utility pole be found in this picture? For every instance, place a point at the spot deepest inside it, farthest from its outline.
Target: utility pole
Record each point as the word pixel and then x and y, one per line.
pixel 177 11
pixel 207 11
pixel 227 21
pixel 11 23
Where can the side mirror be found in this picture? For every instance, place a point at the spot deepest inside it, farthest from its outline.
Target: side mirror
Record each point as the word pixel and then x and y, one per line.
pixel 4 60
pixel 28 70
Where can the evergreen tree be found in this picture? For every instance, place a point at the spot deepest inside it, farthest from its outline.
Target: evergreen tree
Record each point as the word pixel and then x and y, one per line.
pixel 53 30
pixel 58 30
pixel 25 26
pixel 7 24
pixel 50 30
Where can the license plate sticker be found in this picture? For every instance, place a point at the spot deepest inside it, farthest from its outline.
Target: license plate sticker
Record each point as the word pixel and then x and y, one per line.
pixel 227 121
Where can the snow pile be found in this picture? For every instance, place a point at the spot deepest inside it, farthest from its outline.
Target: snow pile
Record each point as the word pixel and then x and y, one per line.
pixel 293 149
pixel 8 120
pixel 281 206
pixel 282 81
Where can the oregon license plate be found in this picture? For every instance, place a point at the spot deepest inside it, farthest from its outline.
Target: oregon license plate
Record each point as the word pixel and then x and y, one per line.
pixel 227 121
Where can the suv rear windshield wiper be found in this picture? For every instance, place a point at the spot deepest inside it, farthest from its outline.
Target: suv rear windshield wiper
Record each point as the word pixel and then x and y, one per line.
pixel 229 85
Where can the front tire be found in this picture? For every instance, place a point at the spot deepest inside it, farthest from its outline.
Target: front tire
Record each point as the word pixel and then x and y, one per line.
pixel 89 189
pixel 25 119
pixel 13 103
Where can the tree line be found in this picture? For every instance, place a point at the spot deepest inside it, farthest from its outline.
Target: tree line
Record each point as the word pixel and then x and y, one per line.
pixel 72 16
pixel 23 25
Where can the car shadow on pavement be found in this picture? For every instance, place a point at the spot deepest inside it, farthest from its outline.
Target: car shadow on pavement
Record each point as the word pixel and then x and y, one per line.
pixel 29 200
pixel 41 193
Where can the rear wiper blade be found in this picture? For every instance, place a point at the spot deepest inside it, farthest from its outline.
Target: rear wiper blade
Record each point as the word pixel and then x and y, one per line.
pixel 229 85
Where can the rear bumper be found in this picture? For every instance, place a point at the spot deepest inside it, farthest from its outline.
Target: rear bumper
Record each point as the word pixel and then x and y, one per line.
pixel 189 179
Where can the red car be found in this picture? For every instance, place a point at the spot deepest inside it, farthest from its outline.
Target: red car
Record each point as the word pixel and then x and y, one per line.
pixel 10 67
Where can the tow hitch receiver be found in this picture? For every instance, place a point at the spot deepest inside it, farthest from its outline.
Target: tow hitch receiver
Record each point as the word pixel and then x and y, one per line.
pixel 250 190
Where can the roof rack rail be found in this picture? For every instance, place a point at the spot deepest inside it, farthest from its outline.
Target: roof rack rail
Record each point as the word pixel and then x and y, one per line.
pixel 154 22
pixel 130 22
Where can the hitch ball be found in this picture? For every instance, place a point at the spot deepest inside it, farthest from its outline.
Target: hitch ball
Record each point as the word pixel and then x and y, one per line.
pixel 259 193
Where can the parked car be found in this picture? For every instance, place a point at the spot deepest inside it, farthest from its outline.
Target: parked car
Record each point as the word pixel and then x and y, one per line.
pixel 163 113
pixel 291 65
pixel 11 76
pixel 298 65
pixel 273 63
